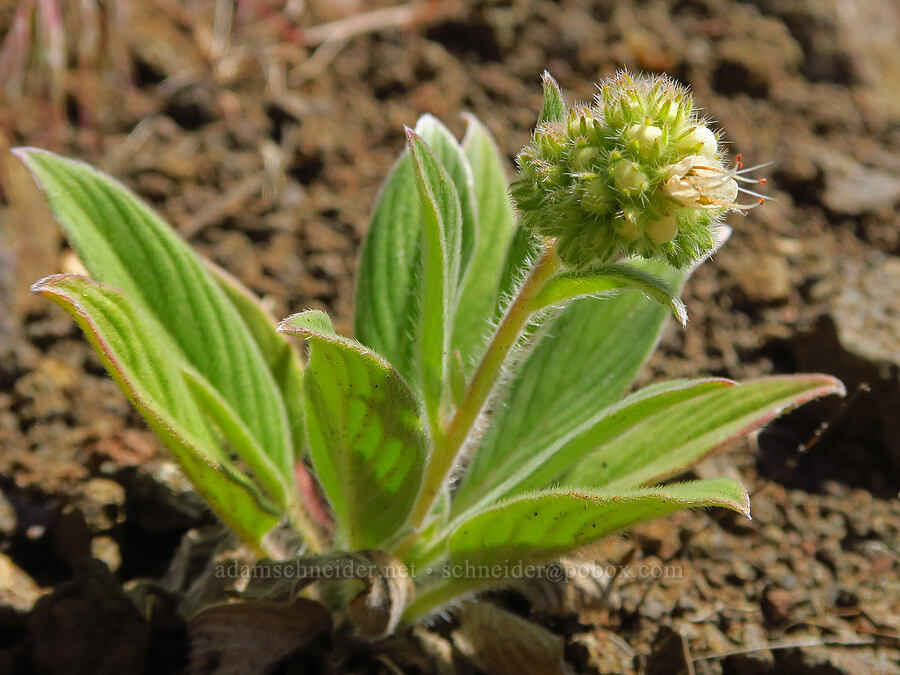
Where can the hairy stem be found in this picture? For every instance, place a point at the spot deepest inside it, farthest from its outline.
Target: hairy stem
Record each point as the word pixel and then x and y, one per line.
pixel 303 524
pixel 449 443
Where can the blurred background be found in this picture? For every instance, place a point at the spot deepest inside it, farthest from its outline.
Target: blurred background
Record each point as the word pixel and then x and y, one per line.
pixel 261 129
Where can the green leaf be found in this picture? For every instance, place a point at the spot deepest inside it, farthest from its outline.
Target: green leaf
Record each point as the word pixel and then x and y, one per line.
pixel 538 527
pixel 605 279
pixel 440 262
pixel 311 320
pixel 390 282
pixel 495 227
pixel 534 466
pixel 148 366
pixel 582 362
pixel 280 355
pixel 454 158
pixel 238 436
pixel 366 438
pixel 677 436
pixel 124 244
pixel 554 107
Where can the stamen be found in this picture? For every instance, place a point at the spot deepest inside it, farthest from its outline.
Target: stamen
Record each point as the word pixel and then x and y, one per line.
pixel 741 169
pixel 741 207
pixel 755 194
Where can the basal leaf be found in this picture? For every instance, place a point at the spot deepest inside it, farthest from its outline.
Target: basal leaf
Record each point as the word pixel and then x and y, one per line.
pixel 390 282
pixel 440 262
pixel 539 527
pixel 366 438
pixel 454 158
pixel 677 436
pixel 534 467
pixel 239 438
pixel 495 227
pixel 126 245
pixel 148 367
pixel 387 287
pixel 280 355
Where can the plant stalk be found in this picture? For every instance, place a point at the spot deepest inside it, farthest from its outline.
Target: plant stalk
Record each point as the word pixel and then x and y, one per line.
pixel 302 523
pixel 447 445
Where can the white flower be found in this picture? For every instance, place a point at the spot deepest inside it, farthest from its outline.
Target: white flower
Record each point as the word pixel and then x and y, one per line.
pixel 703 182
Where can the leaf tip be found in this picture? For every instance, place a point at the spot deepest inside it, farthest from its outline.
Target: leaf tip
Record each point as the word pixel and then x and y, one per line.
pixel 744 506
pixel 680 311
pixel 47 284
pixel 833 385
pixel 308 322
pixel 23 152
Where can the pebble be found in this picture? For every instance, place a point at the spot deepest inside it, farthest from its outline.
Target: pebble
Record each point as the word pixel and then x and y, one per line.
pixel 17 588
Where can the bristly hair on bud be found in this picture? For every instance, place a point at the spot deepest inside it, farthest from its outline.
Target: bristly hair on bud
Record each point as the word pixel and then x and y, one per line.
pixel 637 172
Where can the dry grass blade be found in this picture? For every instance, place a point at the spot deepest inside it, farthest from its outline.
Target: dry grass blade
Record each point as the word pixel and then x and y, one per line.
pixel 359 24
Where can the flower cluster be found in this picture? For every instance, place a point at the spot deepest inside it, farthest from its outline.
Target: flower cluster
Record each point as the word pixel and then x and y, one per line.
pixel 637 173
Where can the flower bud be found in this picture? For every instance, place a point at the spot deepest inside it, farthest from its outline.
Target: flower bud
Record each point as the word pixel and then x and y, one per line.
pixel 645 135
pixel 628 176
pixel 700 139
pixel 663 229
pixel 636 173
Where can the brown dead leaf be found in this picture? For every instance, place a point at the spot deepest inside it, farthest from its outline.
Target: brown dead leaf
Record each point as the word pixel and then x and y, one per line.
pixel 502 643
pixel 249 637
pixel 377 610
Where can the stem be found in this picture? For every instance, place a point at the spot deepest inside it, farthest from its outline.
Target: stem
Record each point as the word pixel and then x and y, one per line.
pixel 302 523
pixel 448 444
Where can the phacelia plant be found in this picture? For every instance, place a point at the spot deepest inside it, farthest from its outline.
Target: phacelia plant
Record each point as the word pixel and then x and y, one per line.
pixel 481 419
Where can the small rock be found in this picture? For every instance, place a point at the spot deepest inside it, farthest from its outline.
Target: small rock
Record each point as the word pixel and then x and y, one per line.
pixel 867 310
pixel 103 503
pixel 854 189
pixel 160 498
pixel 7 516
pixel 765 278
pixel 88 626
pixel 70 536
pixel 777 604
pixel 107 550
pixel 321 237
pixel 826 661
pixel 17 589
pixel 657 537
pixel 667 654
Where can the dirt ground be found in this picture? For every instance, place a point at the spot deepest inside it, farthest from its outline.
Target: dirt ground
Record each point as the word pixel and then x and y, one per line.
pixel 267 152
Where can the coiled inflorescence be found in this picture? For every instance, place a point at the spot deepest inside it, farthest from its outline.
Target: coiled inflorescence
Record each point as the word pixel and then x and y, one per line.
pixel 637 173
